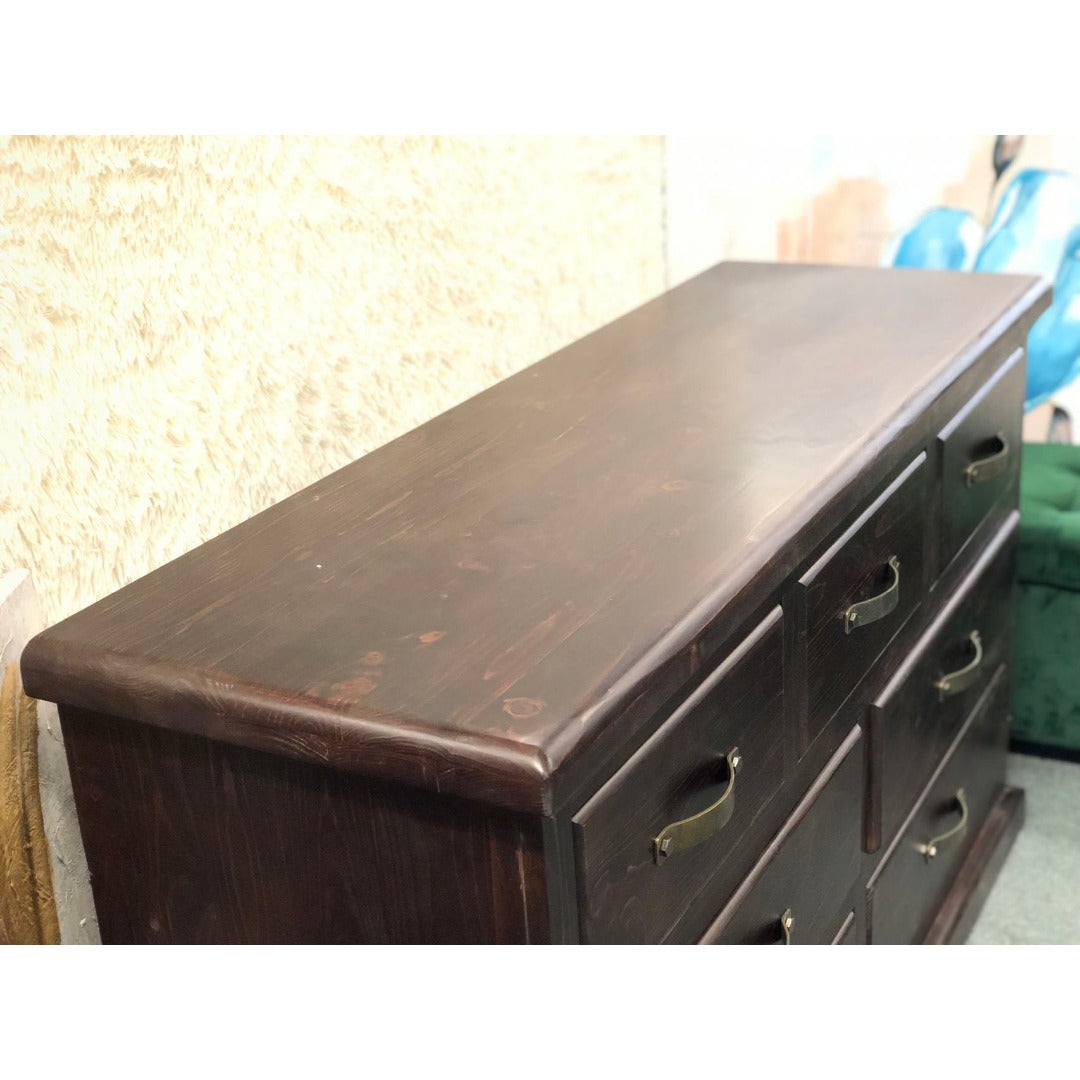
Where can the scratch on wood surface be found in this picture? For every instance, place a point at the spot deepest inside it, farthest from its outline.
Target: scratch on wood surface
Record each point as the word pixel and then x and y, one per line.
pixel 522 652
pixel 476 452
pixel 190 621
pixel 519 855
pixel 577 423
pixel 389 506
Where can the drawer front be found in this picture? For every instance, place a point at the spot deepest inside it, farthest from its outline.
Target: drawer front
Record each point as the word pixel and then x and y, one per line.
pixel 910 884
pixel 917 716
pixel 676 818
pixel 857 596
pixel 799 893
pixel 980 458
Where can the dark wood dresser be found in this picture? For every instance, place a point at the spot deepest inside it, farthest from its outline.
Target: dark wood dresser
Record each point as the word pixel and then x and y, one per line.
pixel 698 630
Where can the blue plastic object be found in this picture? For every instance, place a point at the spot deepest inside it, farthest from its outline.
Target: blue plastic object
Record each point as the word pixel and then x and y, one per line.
pixel 942 239
pixel 1054 341
pixel 1035 230
pixel 1038 211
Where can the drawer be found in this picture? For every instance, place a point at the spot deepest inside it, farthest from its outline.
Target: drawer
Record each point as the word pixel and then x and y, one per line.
pixel 856 597
pixel 909 886
pixel 799 892
pixel 916 717
pixel 678 818
pixel 980 458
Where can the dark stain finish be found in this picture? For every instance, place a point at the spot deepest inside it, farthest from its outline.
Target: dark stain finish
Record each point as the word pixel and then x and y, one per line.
pixel 960 908
pixel 609 502
pixel 456 690
pixel 912 724
pixel 908 888
pixel 987 428
pixel 627 893
pixel 820 836
pixel 855 570
pixel 195 841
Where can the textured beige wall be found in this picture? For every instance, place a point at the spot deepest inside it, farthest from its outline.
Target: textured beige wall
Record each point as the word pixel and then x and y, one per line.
pixel 191 329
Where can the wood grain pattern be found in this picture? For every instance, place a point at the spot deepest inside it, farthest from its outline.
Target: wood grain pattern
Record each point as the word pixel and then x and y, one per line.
pixel 853 570
pixel 626 895
pixel 453 612
pixel 199 842
pixel 960 908
pixel 453 691
pixel 908 889
pixel 991 414
pixel 910 726
pixel 821 834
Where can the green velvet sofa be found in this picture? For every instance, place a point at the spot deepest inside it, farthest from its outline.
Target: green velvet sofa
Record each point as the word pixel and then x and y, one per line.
pixel 1046 694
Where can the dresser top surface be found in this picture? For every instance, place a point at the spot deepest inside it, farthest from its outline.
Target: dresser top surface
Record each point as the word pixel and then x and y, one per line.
pixel 486 587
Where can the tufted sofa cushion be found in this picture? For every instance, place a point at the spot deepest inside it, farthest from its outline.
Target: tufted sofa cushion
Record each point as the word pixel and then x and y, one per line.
pixel 1050 516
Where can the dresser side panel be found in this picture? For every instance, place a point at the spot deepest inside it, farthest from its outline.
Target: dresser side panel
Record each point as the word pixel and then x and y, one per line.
pixel 196 841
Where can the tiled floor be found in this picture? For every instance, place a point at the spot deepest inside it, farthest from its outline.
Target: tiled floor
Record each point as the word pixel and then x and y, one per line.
pixel 1036 899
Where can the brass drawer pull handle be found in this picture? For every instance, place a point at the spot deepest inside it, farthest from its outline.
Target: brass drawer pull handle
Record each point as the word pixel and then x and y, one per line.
pixel 957 681
pixel 978 472
pixel 691 831
pixel 877 607
pixel 787 921
pixel 930 848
